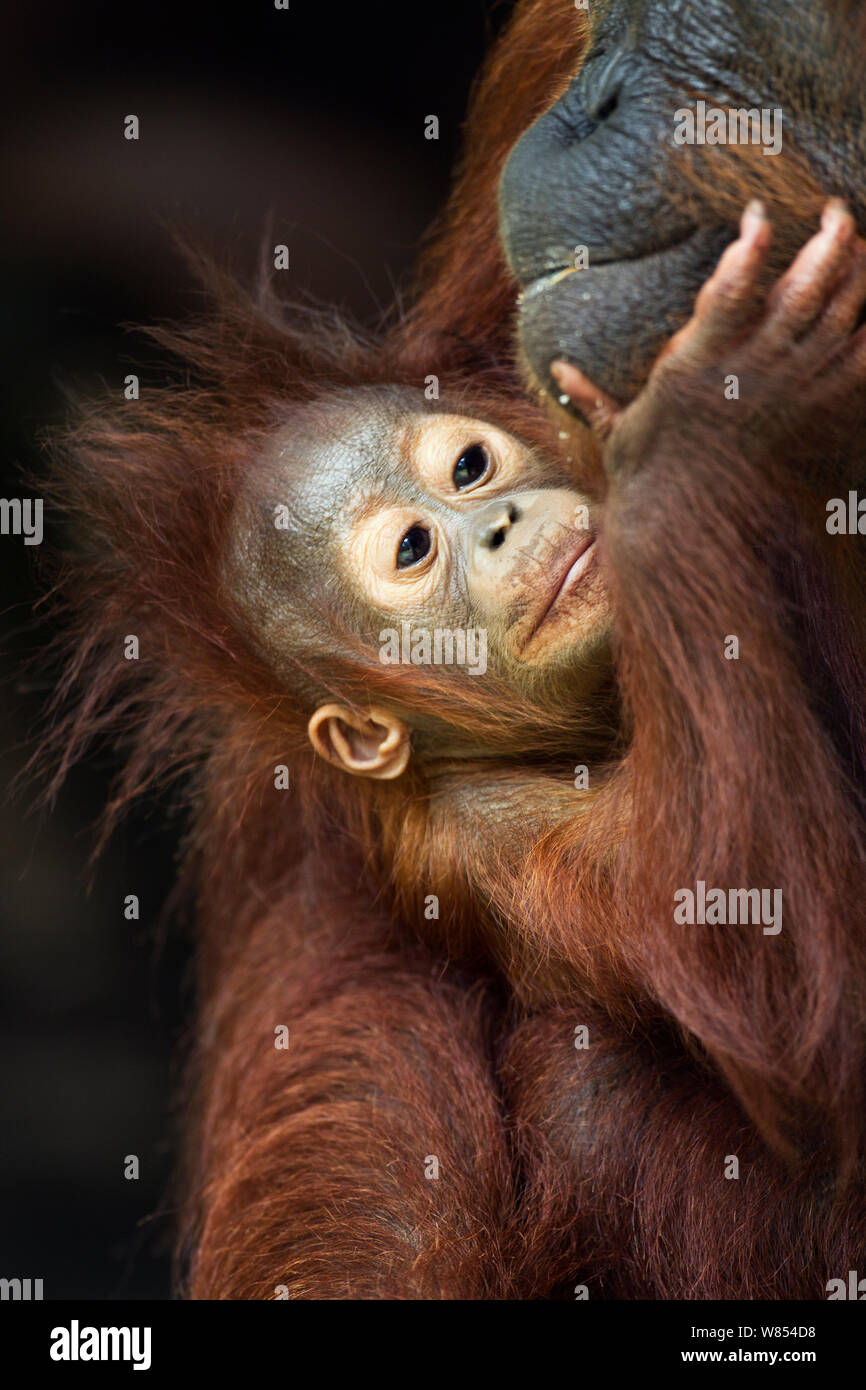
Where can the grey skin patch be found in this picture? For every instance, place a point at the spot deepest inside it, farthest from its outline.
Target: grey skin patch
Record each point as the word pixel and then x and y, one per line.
pixel 601 170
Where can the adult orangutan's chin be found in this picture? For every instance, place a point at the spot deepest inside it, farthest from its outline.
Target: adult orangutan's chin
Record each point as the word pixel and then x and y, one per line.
pixel 603 182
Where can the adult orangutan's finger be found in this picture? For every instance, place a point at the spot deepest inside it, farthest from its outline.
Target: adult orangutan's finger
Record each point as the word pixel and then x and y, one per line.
pixel 728 302
pixel 805 291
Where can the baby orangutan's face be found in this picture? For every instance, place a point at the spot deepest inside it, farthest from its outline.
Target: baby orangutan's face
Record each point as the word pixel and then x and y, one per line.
pixel 445 522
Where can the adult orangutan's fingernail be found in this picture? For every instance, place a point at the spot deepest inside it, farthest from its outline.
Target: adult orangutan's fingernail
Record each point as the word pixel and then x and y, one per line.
pixel 835 215
pixel 755 212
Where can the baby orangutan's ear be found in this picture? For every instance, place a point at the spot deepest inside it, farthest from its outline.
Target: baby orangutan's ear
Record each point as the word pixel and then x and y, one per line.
pixel 373 746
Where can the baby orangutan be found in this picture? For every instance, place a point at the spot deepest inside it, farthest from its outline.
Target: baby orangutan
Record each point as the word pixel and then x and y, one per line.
pixel 510 1070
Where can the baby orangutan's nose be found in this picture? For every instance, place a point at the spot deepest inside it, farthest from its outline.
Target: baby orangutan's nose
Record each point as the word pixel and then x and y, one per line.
pixel 495 522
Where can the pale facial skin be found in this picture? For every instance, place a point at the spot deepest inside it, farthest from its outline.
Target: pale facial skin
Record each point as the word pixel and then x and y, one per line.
pixel 449 522
pixel 480 536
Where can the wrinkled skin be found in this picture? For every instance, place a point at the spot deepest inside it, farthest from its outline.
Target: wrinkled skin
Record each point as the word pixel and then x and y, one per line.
pixel 510 550
pixel 601 169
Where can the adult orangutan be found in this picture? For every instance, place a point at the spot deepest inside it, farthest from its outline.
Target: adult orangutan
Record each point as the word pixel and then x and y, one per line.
pixel 457 1037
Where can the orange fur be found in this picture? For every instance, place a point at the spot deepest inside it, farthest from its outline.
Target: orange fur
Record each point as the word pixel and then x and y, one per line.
pixel 305 1168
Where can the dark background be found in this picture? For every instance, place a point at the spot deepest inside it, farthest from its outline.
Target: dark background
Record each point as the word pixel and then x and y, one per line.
pixel 315 115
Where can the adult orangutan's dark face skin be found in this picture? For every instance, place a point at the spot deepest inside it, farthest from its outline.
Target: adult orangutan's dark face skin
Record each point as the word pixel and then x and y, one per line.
pixel 599 168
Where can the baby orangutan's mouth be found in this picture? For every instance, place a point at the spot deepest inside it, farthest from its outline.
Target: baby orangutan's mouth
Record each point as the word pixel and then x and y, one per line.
pixel 567 577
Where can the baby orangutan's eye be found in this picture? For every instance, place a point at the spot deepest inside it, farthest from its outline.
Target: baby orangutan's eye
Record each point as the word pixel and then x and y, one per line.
pixel 413 547
pixel 471 465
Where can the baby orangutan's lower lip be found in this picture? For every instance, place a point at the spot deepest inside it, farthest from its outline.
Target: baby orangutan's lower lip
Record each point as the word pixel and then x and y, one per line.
pixel 569 580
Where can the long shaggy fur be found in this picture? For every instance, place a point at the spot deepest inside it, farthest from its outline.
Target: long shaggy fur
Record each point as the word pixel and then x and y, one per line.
pixel 307 1170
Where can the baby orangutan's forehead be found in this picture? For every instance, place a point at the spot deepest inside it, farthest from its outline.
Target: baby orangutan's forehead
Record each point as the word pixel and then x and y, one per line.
pixel 345 455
